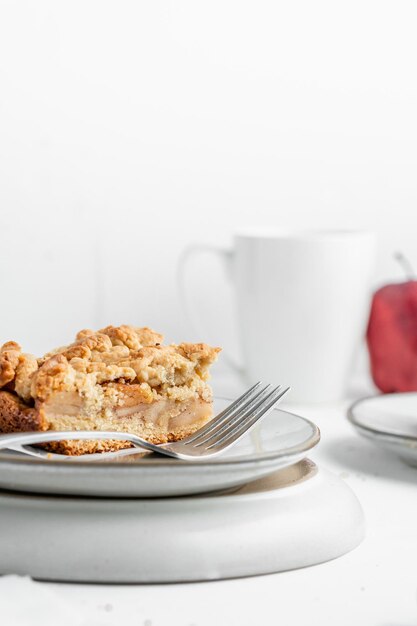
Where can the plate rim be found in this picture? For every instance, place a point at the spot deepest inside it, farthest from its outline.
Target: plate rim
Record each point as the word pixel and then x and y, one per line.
pixel 376 432
pixel 310 443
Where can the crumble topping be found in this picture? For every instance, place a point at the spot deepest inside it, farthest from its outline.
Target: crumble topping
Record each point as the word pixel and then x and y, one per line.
pixel 9 360
pixel 97 362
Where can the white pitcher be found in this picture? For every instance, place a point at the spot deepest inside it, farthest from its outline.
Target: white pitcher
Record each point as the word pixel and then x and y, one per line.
pixel 303 301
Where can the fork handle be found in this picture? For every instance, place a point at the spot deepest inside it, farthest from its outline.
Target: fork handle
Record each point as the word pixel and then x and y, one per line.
pixel 21 439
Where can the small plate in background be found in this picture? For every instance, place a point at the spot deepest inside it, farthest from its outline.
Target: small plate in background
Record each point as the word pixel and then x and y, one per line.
pixel 390 421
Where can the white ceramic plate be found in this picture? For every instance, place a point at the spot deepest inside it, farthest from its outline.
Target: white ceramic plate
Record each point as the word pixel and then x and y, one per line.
pixel 389 421
pixel 280 440
pixel 298 516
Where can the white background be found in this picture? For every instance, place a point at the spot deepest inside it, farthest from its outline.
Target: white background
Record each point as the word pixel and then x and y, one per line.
pixel 130 129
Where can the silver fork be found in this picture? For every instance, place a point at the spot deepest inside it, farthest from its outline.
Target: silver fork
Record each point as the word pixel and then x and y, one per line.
pixel 218 435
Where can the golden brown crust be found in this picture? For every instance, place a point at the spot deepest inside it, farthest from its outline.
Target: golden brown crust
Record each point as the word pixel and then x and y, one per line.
pixel 201 354
pixel 52 376
pixel 84 333
pixel 25 370
pixel 132 337
pixel 76 447
pixel 126 353
pixel 16 416
pixel 9 360
pixel 16 369
pixel 10 345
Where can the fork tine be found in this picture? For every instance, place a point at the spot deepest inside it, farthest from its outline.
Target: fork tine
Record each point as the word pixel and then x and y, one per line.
pixel 223 415
pixel 226 424
pixel 242 415
pixel 248 421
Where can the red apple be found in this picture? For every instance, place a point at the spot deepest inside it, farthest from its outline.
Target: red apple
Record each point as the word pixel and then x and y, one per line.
pixel 392 336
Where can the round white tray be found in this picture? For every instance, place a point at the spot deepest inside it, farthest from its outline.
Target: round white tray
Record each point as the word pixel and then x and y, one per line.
pixel 296 517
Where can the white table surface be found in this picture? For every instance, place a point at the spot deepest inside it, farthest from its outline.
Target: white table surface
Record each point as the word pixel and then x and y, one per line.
pixel 375 585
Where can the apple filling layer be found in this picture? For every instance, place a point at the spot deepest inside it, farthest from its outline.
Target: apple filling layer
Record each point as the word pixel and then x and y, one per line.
pixel 120 378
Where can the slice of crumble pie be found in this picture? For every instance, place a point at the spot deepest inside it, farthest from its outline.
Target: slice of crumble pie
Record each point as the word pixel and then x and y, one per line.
pixel 119 378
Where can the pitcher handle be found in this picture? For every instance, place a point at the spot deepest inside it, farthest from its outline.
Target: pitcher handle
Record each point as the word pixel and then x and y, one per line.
pixel 187 256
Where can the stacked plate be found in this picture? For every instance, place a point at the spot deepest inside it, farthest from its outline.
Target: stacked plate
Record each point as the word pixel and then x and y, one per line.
pixel 281 440
pixel 389 421
pixel 130 517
